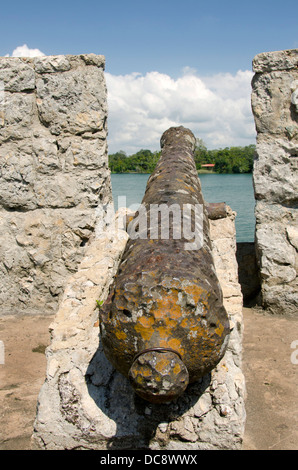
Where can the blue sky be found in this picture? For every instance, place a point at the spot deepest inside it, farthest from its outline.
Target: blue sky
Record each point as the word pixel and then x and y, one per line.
pixel 207 40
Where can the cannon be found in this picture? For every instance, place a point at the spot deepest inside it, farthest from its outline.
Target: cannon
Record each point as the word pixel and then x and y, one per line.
pixel 163 324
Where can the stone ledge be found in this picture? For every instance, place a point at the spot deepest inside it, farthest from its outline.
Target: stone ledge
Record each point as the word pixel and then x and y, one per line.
pixel 275 60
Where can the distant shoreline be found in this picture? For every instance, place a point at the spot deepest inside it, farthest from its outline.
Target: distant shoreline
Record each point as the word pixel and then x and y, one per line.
pixel 200 172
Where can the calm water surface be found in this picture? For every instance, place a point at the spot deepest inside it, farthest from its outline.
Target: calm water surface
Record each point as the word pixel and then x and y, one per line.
pixel 235 190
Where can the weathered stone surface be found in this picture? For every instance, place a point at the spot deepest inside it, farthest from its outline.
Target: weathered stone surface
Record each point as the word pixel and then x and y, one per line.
pixel 276 60
pixel 274 104
pixel 53 173
pixel 275 171
pixel 56 94
pixel 86 404
pixel 17 74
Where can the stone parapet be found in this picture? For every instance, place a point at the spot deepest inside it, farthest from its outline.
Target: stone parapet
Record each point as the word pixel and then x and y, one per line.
pixel 53 173
pixel 275 177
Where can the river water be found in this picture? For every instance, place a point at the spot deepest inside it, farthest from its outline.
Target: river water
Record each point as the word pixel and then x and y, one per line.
pixel 236 190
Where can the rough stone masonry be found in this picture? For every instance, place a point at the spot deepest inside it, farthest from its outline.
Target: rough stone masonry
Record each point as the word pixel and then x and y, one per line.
pixel 275 177
pixel 53 173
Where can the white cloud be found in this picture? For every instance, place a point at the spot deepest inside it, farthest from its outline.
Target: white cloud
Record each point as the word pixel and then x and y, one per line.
pixel 216 108
pixel 25 51
pixel 141 107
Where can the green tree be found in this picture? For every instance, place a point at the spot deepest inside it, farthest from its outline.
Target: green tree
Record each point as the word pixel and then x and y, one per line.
pixel 200 154
pixel 117 162
pixel 227 160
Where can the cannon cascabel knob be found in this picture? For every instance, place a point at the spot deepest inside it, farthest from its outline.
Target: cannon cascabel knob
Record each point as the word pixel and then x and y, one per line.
pixel 163 324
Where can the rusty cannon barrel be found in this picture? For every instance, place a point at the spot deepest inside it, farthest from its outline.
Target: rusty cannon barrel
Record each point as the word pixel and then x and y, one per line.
pixel 163 324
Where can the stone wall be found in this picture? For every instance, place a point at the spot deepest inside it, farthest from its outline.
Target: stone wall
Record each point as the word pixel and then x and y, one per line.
pixel 275 108
pixel 85 404
pixel 53 173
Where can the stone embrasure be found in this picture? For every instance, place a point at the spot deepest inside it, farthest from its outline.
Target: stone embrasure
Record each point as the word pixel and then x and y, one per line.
pixel 275 106
pixel 86 404
pixel 53 173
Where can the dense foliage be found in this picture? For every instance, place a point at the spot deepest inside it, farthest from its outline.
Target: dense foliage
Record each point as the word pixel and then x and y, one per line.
pixel 143 161
pixel 227 160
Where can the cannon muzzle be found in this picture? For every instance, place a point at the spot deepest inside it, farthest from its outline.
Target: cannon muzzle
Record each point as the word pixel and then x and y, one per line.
pixel 158 375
